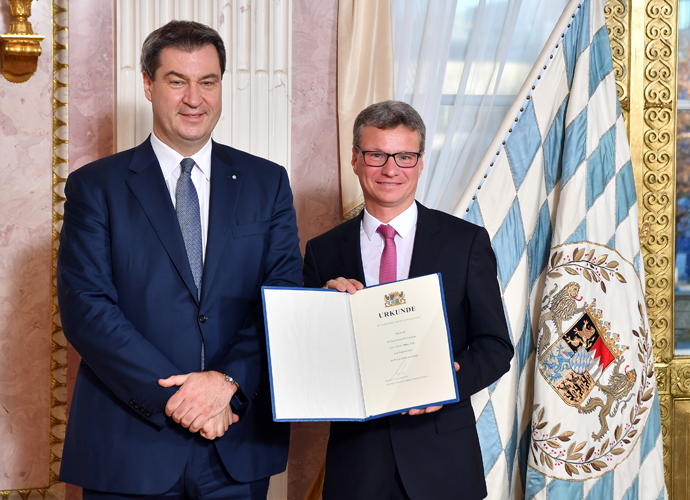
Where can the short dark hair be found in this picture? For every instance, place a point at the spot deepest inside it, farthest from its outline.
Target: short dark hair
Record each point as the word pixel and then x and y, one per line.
pixel 188 36
pixel 386 115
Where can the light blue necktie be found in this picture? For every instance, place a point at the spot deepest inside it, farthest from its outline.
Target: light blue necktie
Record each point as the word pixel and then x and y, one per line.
pixel 187 208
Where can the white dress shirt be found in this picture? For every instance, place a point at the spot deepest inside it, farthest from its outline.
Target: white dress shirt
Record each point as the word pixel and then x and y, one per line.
pixel 372 243
pixel 169 160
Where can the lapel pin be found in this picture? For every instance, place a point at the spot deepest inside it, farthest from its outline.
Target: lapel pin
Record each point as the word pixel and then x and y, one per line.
pixel 234 176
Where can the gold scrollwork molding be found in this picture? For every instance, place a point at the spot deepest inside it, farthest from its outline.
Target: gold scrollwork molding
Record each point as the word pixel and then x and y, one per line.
pixel 657 105
pixel 652 108
pixel 680 379
pixel 657 127
pixel 665 408
pixel 665 405
pixel 618 22
pixel 662 377
pixel 20 47
pixel 58 415
pixel 658 176
pixel 657 204
pixel 643 45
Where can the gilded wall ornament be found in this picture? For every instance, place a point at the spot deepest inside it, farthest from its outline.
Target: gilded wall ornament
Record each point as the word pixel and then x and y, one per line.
pixel 53 489
pixel 659 170
pixel 58 400
pixel 643 41
pixel 20 47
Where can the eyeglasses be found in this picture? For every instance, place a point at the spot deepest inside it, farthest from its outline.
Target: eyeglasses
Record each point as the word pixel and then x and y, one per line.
pixel 379 158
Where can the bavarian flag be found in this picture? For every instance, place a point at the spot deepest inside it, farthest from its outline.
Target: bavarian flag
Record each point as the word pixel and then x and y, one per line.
pixel 556 193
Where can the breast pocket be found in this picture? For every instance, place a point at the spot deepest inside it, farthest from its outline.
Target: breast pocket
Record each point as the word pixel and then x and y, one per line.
pixel 251 229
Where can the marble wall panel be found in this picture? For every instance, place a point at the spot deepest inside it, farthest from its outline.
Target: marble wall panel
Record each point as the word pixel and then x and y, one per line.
pixel 314 178
pixel 91 80
pixel 91 108
pixel 25 266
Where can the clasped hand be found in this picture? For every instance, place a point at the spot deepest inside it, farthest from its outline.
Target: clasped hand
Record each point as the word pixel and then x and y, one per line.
pixel 351 286
pixel 202 402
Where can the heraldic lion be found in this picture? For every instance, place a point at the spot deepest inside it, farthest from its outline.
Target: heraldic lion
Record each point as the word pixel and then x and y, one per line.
pixel 620 385
pixel 563 307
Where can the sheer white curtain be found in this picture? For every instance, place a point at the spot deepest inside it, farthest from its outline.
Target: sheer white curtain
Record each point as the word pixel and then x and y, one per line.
pixel 460 63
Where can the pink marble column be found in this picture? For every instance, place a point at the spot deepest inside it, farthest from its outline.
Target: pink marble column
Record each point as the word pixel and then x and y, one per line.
pixel 91 80
pixel 314 178
pixel 25 266
pixel 91 107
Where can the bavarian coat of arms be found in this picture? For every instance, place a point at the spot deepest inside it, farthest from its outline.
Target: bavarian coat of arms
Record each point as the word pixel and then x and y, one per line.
pixel 595 367
pixel 394 299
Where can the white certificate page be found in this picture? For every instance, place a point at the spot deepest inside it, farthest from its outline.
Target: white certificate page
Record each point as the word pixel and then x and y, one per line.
pixel 312 355
pixel 336 356
pixel 403 347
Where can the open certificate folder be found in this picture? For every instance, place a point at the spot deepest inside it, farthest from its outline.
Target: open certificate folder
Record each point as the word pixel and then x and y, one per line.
pixel 336 356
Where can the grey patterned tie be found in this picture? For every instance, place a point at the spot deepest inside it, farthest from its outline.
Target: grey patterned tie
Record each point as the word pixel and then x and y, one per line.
pixel 187 208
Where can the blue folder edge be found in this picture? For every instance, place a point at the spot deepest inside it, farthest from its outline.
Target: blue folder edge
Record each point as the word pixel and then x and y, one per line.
pixel 270 365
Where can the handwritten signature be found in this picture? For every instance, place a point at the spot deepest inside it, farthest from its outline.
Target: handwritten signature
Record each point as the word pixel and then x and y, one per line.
pixel 401 369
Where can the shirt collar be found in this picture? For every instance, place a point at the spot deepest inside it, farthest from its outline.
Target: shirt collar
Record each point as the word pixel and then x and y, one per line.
pixel 169 159
pixel 403 223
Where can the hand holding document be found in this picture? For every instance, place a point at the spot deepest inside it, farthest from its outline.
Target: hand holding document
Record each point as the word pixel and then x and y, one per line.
pixel 336 356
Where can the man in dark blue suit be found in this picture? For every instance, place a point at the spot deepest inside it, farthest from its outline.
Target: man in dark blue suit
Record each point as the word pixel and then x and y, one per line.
pixel 431 452
pixel 163 252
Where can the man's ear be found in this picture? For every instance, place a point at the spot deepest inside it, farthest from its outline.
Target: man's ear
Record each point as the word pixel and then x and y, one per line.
pixel 354 161
pixel 147 86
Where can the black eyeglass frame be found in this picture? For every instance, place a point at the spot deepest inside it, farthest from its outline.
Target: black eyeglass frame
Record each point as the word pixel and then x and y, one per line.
pixel 388 155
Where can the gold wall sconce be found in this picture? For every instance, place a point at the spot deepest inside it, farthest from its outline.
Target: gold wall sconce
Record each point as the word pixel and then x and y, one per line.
pixel 20 47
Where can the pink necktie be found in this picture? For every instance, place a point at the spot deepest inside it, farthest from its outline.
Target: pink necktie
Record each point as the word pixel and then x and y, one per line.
pixel 389 259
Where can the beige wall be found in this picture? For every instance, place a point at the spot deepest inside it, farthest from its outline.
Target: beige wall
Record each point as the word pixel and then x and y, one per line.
pixel 26 209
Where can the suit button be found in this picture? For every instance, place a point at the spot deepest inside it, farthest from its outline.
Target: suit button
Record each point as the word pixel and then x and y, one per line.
pixel 142 410
pixel 132 402
pixel 202 319
pixel 148 413
pixel 137 406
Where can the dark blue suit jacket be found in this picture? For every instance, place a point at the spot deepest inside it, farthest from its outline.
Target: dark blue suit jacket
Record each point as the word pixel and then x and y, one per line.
pixel 437 454
pixel 129 306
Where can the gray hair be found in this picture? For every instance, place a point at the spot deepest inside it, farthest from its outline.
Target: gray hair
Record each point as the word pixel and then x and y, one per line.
pixel 188 36
pixel 387 115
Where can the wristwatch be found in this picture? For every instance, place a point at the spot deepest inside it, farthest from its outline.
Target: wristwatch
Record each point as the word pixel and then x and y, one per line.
pixel 231 380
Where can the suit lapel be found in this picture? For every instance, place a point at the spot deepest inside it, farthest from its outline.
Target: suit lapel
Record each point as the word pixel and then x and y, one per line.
pixel 426 246
pixel 350 250
pixel 148 186
pixel 226 182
